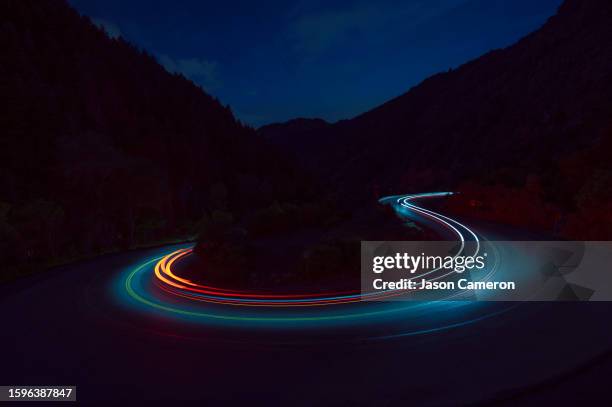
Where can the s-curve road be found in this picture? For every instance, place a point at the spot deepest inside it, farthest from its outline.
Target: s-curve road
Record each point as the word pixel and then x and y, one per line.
pixel 128 327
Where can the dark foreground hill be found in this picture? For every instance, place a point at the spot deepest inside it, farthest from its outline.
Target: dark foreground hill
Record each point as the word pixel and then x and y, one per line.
pixel 534 118
pixel 289 135
pixel 101 148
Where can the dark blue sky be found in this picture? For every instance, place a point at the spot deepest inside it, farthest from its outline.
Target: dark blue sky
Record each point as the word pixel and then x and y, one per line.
pixel 276 60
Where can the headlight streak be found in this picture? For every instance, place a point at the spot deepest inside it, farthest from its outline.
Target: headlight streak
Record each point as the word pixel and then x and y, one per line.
pixel 350 306
pixel 129 287
pixel 171 283
pixel 404 201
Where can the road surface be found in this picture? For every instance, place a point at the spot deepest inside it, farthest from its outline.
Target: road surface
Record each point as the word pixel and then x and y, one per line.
pixel 109 327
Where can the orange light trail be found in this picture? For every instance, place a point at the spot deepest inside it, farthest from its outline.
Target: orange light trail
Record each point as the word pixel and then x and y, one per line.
pixel 169 282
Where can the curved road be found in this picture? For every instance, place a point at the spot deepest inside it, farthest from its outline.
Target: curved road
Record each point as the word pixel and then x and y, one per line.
pixel 117 330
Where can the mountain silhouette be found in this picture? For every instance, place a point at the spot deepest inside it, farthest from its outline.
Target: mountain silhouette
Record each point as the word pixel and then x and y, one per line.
pixel 101 147
pixel 293 132
pixel 537 110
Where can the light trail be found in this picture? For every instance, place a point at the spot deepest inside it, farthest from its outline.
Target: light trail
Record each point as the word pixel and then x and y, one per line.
pixel 168 281
pixel 444 220
pixel 191 299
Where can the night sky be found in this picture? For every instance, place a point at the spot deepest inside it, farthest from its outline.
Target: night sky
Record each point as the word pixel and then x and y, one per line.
pixel 276 60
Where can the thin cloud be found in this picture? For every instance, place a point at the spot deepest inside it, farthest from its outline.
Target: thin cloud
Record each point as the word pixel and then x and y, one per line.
pixel 315 32
pixel 201 71
pixel 111 29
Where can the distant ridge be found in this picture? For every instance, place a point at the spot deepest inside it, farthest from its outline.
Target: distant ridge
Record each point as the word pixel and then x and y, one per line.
pixel 292 132
pixel 521 108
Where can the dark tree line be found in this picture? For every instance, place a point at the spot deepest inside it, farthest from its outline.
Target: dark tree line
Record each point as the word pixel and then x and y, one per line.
pixel 101 148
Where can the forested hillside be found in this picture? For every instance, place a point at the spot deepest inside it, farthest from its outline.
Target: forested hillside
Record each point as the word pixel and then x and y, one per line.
pixel 102 148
